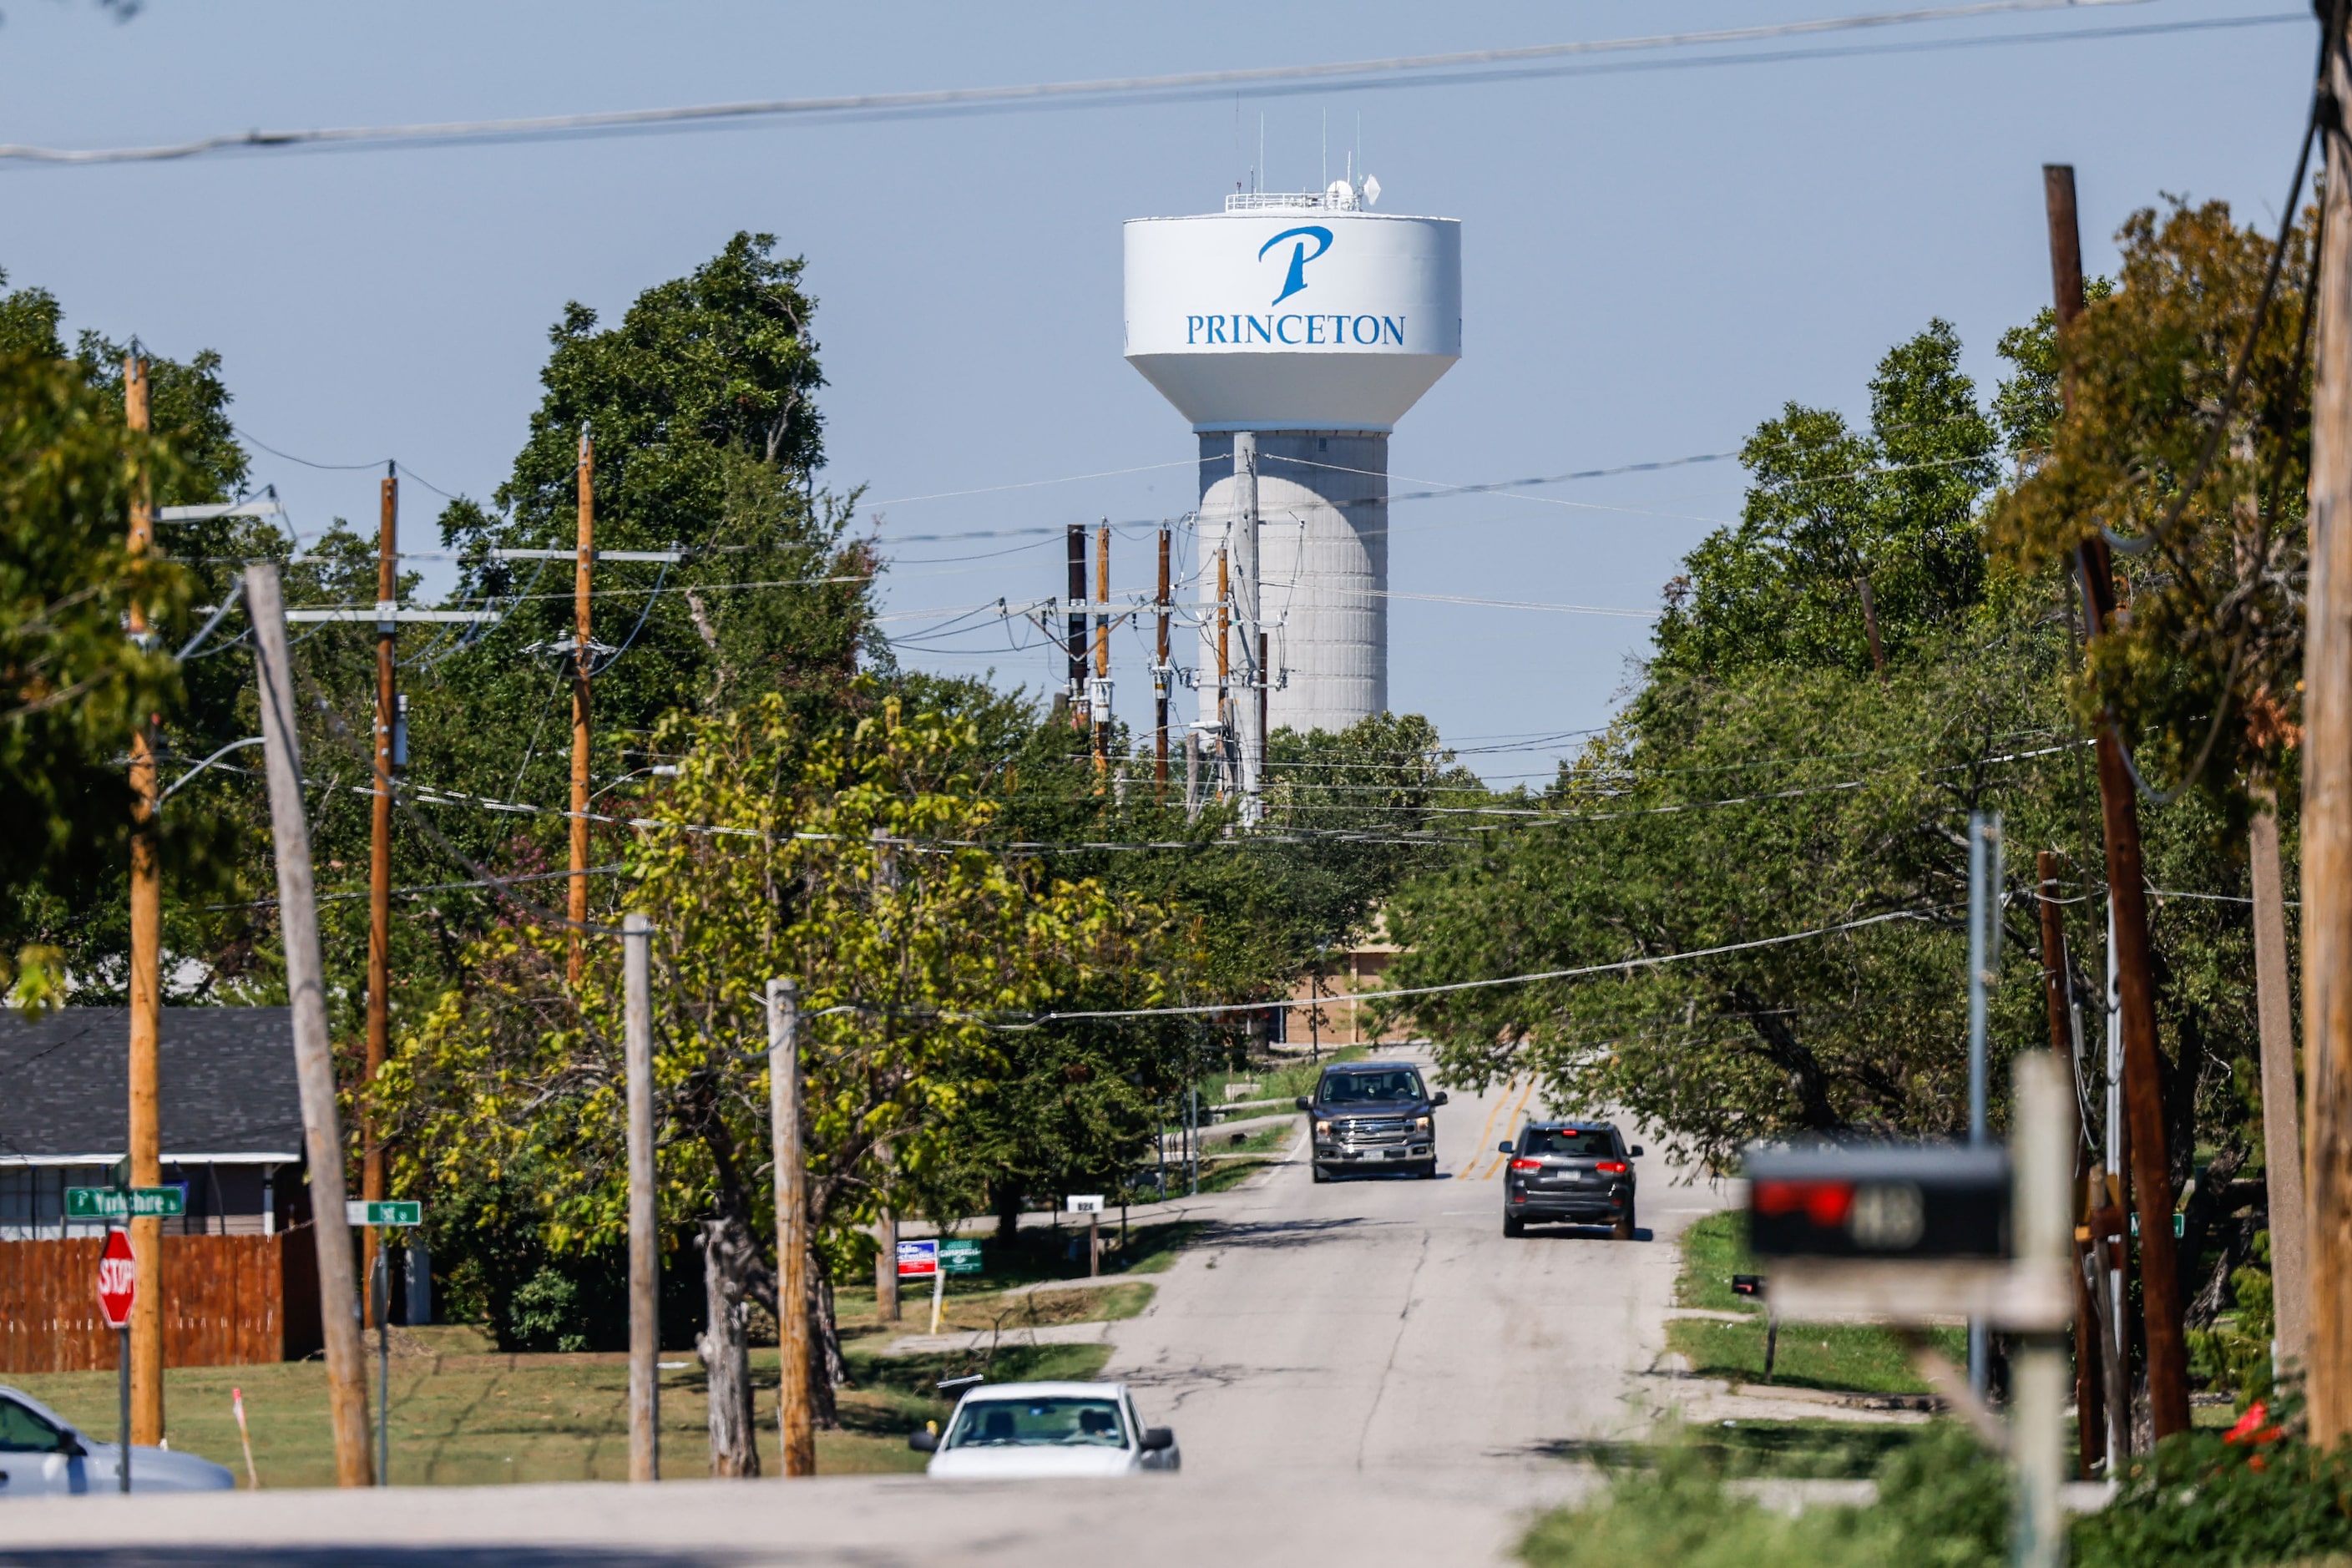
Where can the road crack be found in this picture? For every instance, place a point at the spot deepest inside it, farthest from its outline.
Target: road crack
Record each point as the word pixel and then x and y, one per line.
pixel 1388 1367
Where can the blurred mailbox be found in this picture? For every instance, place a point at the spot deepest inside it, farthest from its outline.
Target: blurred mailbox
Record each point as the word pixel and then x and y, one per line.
pixel 1901 1232
pixel 1887 1200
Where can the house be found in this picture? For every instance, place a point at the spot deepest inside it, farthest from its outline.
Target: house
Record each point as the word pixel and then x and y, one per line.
pixel 239 1266
pixel 231 1118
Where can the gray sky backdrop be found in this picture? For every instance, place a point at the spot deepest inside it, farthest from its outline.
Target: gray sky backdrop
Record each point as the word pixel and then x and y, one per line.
pixel 1657 255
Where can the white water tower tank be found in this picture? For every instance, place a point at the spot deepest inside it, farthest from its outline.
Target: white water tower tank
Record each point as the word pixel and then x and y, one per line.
pixel 1315 322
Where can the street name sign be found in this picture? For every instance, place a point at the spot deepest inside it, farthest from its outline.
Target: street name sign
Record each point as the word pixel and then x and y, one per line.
pixel 961 1257
pixel 117 1279
pixel 114 1203
pixel 401 1211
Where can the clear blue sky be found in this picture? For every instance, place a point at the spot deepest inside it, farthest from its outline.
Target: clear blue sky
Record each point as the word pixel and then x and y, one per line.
pixel 1654 260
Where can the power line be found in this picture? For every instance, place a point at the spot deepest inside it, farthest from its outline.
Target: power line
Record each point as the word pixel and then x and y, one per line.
pixel 1479 63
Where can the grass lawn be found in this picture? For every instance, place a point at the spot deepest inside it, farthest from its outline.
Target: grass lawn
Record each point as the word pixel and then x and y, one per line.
pixel 470 1417
pixel 1855 1357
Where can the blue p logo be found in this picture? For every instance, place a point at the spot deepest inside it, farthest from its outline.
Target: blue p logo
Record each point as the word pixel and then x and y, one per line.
pixel 1296 278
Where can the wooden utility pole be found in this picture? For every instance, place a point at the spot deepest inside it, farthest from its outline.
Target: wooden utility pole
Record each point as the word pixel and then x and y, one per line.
pixel 2327 805
pixel 2057 988
pixel 582 647
pixel 795 1415
pixel 2282 1124
pixel 143 1152
pixel 314 1063
pixel 1160 680
pixel 378 951
pixel 1101 716
pixel 1224 673
pixel 644 1240
pixel 1077 626
pixel 2151 1172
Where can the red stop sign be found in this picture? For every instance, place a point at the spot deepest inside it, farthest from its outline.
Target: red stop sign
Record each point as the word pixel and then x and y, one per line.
pixel 117 1279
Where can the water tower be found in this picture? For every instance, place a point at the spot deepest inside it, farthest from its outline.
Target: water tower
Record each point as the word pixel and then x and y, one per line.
pixel 1294 331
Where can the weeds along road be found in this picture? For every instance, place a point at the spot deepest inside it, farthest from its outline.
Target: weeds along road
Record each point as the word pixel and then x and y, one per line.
pixel 1365 1370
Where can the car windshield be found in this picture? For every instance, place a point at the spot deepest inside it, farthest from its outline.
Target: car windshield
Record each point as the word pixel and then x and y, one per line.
pixel 1031 1423
pixel 22 1432
pixel 1568 1141
pixel 1398 1085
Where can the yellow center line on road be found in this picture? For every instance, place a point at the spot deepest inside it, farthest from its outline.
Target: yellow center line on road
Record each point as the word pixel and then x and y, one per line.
pixel 1485 1127
pixel 1499 1156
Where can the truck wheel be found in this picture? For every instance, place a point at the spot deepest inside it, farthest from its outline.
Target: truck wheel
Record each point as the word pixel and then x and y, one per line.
pixel 1318 1177
pixel 1513 1225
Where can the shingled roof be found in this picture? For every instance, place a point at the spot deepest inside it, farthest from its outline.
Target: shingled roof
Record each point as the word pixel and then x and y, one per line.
pixel 227 1084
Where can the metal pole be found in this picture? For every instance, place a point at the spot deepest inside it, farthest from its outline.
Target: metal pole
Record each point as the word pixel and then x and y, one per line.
pixel 379 949
pixel 322 1136
pixel 1252 737
pixel 1078 626
pixel 644 1256
pixel 381 1291
pixel 123 1414
pixel 1980 1345
pixel 795 1419
pixel 143 1152
pixel 2041 1154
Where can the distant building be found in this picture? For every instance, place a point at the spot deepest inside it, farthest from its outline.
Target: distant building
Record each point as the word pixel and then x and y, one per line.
pixel 231 1118
pixel 1335 1018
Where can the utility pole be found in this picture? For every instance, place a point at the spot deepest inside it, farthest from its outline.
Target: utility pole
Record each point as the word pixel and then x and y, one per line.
pixel 2168 1351
pixel 1246 570
pixel 582 652
pixel 1224 674
pixel 379 951
pixel 1077 626
pixel 314 1064
pixel 1159 677
pixel 1264 681
pixel 645 1256
pixel 143 1150
pixel 2282 1123
pixel 2327 804
pixel 2057 989
pixel 1099 694
pixel 795 1416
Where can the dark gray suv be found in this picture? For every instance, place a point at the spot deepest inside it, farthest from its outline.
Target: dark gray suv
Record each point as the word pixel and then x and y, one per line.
pixel 1569 1172
pixel 1368 1115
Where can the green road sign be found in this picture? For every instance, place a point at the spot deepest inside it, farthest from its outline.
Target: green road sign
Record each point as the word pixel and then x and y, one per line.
pixel 139 1203
pixel 405 1211
pixel 960 1256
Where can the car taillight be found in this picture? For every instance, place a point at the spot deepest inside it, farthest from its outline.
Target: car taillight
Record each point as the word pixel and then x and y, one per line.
pixel 1527 1164
pixel 1610 1167
pixel 1825 1202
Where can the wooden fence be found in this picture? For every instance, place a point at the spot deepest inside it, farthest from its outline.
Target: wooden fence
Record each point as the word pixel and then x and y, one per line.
pixel 228 1301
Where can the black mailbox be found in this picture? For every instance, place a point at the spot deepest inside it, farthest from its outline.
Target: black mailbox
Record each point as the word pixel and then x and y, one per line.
pixel 1878 1200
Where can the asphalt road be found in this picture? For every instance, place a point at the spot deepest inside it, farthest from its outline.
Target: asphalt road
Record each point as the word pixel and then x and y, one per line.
pixel 1364 1370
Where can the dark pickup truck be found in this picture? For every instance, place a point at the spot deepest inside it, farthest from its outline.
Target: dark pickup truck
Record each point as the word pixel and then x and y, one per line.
pixel 1372 1116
